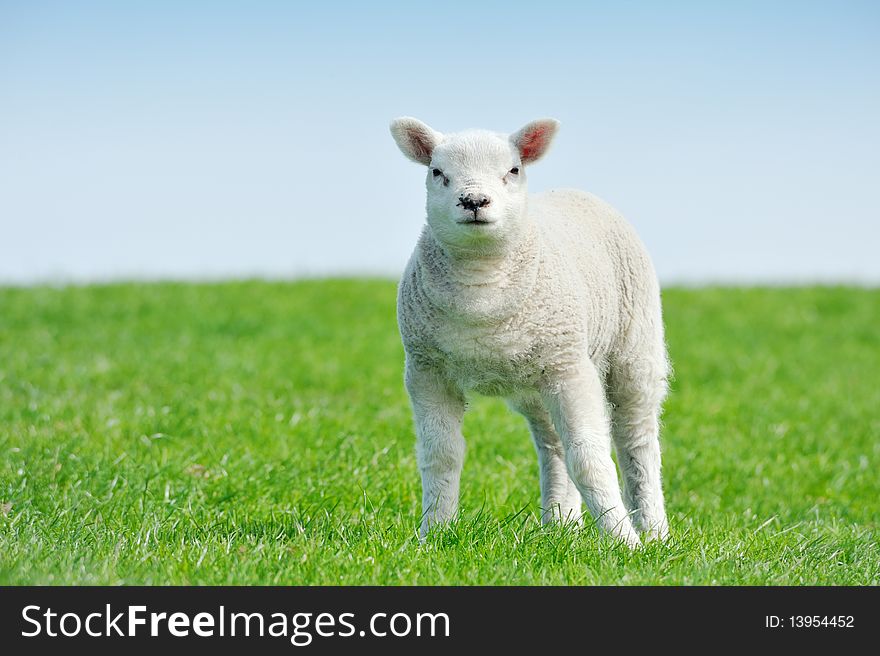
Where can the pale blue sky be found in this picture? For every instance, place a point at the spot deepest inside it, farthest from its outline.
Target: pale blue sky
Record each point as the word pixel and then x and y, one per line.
pixel 215 139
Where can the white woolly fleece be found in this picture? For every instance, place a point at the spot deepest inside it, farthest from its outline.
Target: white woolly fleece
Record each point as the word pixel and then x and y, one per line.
pixel 549 301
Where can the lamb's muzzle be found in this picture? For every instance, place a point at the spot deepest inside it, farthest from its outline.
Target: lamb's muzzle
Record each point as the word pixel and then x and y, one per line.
pixel 473 202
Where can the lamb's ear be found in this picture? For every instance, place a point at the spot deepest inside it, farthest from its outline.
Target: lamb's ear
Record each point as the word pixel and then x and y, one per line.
pixel 415 139
pixel 534 139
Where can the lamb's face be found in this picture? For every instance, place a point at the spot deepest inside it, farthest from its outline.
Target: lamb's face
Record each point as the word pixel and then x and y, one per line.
pixel 476 182
pixel 476 188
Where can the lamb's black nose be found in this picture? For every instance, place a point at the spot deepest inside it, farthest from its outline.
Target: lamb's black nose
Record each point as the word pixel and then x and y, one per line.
pixel 473 202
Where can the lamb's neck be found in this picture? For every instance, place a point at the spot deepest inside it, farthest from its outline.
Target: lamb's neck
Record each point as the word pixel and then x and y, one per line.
pixel 478 288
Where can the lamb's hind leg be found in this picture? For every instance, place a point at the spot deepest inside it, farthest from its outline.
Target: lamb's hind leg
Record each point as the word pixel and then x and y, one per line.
pixel 577 406
pixel 637 388
pixel 560 499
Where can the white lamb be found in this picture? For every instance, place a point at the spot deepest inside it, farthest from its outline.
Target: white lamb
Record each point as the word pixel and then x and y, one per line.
pixel 547 300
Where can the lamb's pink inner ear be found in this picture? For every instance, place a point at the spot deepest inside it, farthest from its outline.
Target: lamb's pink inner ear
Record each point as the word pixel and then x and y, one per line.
pixel 415 139
pixel 422 144
pixel 534 139
pixel 533 143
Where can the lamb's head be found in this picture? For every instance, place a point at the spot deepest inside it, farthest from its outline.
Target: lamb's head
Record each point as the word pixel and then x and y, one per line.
pixel 476 180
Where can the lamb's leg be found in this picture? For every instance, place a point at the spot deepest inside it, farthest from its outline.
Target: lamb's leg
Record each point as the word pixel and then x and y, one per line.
pixel 637 389
pixel 560 499
pixel 438 409
pixel 577 406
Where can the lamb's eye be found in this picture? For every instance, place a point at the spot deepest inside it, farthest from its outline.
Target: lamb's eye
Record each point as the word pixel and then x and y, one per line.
pixel 437 172
pixel 515 170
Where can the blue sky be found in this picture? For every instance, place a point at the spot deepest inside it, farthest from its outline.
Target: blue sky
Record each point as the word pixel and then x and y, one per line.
pixel 191 140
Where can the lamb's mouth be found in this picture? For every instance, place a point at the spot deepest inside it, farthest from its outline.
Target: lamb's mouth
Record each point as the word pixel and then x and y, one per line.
pixel 474 221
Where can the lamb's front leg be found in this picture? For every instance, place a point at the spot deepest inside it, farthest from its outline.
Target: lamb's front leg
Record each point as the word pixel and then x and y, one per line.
pixel 577 406
pixel 438 409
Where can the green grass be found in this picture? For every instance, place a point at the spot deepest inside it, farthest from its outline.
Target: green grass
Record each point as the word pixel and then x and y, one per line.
pixel 259 433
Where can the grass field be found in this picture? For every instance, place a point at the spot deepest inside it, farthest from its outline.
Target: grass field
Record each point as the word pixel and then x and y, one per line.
pixel 259 433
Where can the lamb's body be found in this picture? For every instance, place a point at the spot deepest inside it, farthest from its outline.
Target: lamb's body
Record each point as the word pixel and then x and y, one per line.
pixel 559 322
pixel 582 283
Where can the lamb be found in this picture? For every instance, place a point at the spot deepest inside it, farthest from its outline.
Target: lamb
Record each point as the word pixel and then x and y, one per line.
pixel 549 301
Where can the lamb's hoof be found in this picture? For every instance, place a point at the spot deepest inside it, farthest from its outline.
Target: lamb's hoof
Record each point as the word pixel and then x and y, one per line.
pixel 657 533
pixel 573 518
pixel 629 537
